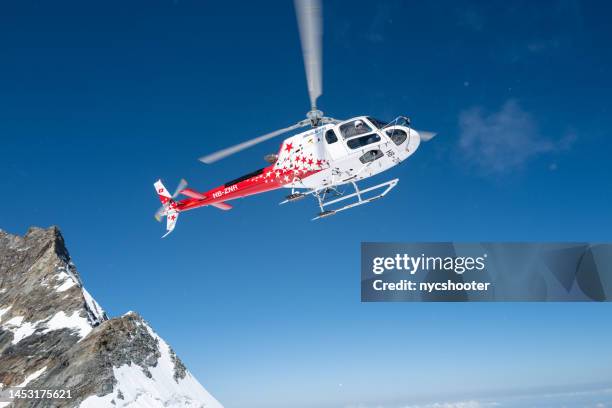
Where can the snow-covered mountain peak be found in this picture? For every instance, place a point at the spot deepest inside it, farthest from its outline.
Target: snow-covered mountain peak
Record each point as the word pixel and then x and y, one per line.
pixel 54 335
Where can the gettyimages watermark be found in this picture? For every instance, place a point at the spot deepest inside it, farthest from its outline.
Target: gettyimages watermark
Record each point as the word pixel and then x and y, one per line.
pixel 445 271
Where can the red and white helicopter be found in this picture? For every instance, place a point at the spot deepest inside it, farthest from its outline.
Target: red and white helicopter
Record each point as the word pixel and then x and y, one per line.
pixel 319 162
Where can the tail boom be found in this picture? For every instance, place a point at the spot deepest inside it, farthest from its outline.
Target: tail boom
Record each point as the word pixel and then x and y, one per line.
pixel 260 181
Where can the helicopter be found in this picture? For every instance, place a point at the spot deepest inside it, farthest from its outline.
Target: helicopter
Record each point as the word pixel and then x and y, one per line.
pixel 319 162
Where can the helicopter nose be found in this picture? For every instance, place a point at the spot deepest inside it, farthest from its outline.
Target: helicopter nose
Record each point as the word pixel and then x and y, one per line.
pixel 413 141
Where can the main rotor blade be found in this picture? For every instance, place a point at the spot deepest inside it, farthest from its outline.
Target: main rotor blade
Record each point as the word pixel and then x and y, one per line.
pixel 326 119
pixel 425 135
pixel 311 33
pixel 211 158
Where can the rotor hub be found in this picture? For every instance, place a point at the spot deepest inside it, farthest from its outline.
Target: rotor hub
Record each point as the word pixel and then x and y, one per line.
pixel 315 117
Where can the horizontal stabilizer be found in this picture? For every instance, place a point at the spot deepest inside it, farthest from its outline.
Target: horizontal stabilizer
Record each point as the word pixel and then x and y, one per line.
pixel 193 194
pixel 222 206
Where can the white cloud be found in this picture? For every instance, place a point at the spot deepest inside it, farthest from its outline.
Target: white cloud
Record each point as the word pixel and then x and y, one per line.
pixel 504 140
pixel 457 404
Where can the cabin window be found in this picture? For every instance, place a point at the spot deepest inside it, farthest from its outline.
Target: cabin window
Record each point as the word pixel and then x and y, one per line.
pixel 371 156
pixel 358 142
pixel 397 135
pixel 354 128
pixel 330 136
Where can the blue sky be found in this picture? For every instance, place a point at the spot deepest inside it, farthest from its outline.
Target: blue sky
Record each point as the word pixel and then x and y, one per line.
pixel 99 99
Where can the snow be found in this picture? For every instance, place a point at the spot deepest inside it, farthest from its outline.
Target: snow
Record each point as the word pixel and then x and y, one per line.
pixel 66 277
pixel 22 329
pixel 68 283
pixel 60 320
pixel 19 328
pixel 74 321
pixel 25 330
pixel 161 390
pixel 62 275
pixel 15 321
pixel 94 307
pixel 81 325
pixel 68 270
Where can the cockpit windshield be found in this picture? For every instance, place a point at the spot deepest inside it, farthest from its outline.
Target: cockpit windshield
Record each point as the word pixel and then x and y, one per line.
pixel 399 121
pixel 377 122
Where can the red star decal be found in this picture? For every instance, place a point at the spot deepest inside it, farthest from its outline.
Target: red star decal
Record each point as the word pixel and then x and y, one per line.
pixel 173 217
pixel 289 146
pixel 319 162
pixel 310 162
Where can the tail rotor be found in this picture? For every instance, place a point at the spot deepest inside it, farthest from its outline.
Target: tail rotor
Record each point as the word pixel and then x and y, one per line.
pixel 168 207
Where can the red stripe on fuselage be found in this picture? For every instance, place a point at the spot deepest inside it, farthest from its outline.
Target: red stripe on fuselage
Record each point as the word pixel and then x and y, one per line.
pixel 270 179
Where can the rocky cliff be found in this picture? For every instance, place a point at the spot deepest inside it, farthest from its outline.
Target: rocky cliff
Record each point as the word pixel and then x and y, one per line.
pixel 55 336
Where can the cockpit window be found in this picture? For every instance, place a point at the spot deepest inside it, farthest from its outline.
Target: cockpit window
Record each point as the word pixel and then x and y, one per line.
pixel 354 128
pixel 397 135
pixel 376 122
pixel 330 136
pixel 358 142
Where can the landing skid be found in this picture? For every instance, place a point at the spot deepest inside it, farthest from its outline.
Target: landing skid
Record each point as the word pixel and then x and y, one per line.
pixel 323 195
pixel 387 186
pixel 294 196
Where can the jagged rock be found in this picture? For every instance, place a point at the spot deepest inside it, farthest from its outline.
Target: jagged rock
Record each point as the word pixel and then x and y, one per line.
pixel 54 335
